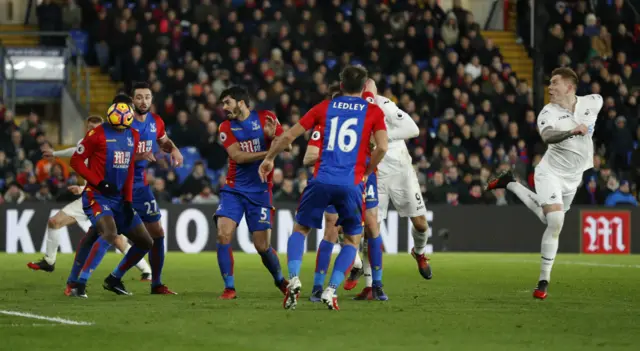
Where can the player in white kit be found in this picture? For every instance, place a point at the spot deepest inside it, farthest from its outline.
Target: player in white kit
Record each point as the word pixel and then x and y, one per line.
pixel 566 124
pixel 398 183
pixel 73 213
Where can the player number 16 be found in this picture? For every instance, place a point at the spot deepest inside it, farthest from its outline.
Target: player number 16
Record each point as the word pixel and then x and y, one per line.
pixel 342 135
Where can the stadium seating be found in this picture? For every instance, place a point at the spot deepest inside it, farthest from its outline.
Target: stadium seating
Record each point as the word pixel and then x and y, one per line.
pixel 288 61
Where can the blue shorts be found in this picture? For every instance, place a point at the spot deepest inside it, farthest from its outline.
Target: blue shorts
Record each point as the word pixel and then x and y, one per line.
pixel 256 207
pixel 145 204
pixel 348 201
pixel 371 194
pixel 96 206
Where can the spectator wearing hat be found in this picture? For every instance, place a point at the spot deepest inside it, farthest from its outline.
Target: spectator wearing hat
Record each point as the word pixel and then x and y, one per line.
pixel 622 196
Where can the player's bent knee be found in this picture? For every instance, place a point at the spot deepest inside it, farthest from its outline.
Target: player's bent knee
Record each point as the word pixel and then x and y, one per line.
pixel 53 223
pixel 420 224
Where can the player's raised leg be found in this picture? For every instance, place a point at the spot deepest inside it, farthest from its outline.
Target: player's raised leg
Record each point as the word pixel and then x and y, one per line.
pixel 323 256
pixel 506 180
pixel 54 225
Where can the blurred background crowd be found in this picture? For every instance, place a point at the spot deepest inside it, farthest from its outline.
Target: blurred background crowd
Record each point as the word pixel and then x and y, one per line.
pixel 475 115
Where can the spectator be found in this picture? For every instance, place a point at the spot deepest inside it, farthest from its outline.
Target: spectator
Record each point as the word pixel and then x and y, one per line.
pixel 14 194
pixel 71 16
pixel 206 196
pixel 590 193
pixel 49 20
pixel 287 192
pixel 5 165
pixel 622 196
pixel 602 45
pixel 159 190
pixel 196 181
pixel 450 31
pixel 44 194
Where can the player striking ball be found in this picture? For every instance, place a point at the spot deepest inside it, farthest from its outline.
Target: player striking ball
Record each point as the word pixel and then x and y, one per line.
pixel 151 129
pixel 246 135
pixel 107 199
pixel 566 124
pixel 348 122
pixel 73 213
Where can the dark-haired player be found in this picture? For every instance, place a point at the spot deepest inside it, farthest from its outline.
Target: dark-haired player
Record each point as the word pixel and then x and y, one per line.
pixel 105 159
pixel 152 132
pixel 348 122
pixel 246 135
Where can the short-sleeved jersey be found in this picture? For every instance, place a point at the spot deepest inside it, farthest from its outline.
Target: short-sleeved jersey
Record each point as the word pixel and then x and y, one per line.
pixel 575 154
pixel 110 156
pixel 150 130
pixel 345 125
pixel 250 135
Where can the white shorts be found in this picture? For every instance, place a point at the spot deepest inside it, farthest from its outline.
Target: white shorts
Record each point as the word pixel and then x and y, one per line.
pixel 554 189
pixel 403 189
pixel 74 209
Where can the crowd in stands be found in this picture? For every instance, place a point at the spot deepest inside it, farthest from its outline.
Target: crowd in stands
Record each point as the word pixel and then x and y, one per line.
pixel 475 115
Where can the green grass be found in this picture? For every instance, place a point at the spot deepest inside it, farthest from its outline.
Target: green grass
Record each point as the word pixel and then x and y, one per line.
pixel 474 302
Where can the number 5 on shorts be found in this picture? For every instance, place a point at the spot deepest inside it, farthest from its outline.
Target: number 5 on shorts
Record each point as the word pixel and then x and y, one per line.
pixel 264 214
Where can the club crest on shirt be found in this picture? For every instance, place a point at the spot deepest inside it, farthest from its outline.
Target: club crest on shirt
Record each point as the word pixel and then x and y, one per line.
pixel 255 125
pixel 130 141
pixel 153 128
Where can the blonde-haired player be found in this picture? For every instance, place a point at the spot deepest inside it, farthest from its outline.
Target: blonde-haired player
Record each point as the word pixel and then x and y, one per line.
pixel 73 213
pixel 566 124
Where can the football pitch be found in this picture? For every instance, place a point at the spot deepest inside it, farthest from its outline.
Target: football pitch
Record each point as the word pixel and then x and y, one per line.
pixel 474 302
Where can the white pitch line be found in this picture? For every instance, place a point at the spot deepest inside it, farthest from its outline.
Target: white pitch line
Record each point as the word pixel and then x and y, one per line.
pixel 45 318
pixel 578 263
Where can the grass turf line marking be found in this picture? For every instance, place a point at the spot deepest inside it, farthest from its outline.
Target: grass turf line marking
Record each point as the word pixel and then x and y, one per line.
pixel 577 263
pixel 45 318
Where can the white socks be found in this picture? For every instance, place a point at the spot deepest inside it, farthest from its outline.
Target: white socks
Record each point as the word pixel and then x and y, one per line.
pixel 549 246
pixel 419 240
pixel 368 280
pixel 142 265
pixel 529 198
pixel 51 250
pixel 357 263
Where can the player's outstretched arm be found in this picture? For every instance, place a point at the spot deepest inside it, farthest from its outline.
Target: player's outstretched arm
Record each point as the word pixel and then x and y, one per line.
pixel 68 152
